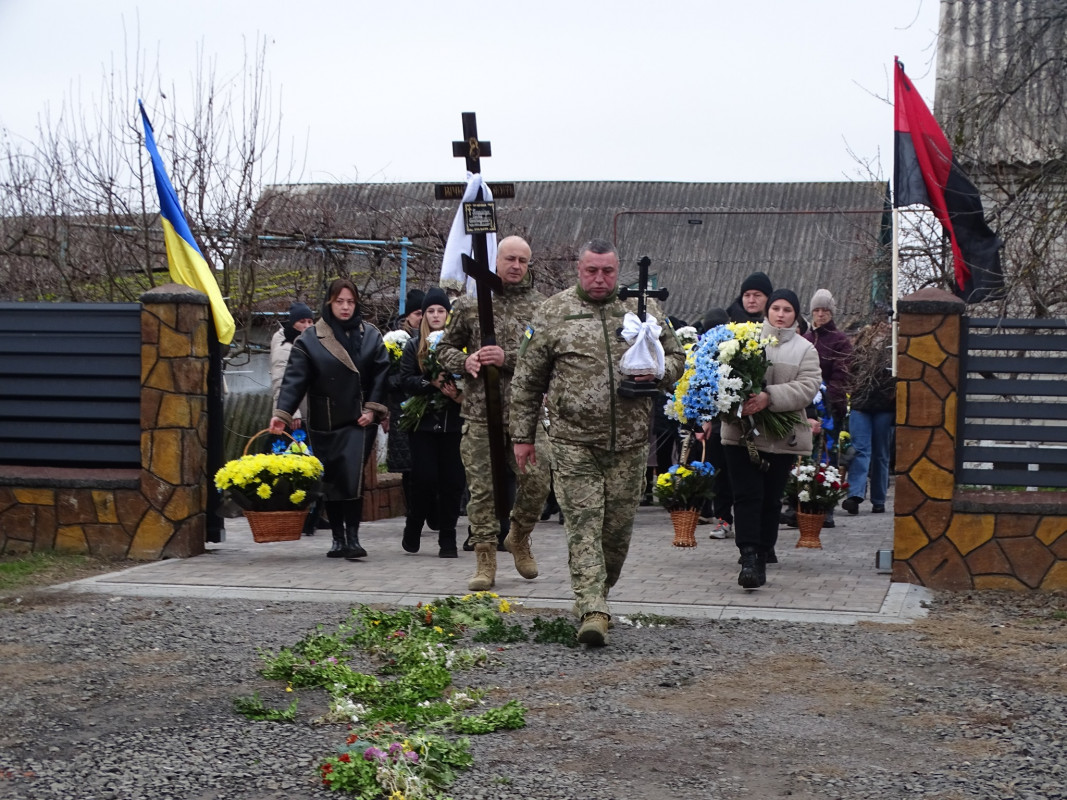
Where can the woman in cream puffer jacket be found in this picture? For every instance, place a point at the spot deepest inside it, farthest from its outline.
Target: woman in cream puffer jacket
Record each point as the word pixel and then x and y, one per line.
pixel 792 381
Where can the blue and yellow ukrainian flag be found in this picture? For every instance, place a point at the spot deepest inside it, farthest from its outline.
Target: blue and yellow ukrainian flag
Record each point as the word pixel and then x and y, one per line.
pixel 187 264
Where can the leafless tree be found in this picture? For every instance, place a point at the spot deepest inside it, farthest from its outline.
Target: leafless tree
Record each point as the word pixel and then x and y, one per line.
pixel 1001 98
pixel 79 210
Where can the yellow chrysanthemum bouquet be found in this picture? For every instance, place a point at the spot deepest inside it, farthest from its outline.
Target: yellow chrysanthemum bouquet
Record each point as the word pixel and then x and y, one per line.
pixel 286 479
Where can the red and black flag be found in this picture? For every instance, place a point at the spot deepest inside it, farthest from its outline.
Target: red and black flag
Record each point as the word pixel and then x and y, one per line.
pixel 925 172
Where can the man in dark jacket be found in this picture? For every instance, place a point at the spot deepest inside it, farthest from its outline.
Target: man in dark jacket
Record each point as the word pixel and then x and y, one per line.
pixel 750 306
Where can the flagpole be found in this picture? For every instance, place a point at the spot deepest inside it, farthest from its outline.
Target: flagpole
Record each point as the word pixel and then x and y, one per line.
pixel 896 281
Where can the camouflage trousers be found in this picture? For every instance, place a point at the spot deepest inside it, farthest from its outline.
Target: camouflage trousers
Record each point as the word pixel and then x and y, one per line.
pixel 598 492
pixel 531 487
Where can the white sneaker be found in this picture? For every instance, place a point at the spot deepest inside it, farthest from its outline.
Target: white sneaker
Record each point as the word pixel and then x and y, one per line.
pixel 720 529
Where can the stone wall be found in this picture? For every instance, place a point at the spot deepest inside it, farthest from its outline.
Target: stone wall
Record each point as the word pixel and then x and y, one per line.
pixel 944 537
pixel 157 511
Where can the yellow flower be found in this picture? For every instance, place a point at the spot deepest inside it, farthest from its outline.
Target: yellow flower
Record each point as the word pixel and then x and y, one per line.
pixel 397 795
pixel 438 629
pixel 664 480
pixel 505 607
pixel 289 687
pixel 263 491
pixel 297 497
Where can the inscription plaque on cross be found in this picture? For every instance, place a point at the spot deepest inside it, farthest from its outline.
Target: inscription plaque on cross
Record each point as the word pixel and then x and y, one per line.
pixel 474 150
pixel 631 387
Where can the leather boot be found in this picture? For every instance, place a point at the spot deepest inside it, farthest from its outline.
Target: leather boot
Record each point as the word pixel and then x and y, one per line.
pixel 338 548
pixel 354 549
pixel 518 544
pixel 504 527
pixel 485 570
pixel 412 538
pixel 748 578
pixel 446 543
pixel 761 567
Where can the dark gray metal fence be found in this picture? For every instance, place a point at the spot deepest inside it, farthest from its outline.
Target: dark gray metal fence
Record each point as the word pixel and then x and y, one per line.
pixel 1013 403
pixel 70 384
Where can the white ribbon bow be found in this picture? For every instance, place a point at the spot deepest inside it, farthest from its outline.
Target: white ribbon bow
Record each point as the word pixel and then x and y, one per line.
pixel 646 353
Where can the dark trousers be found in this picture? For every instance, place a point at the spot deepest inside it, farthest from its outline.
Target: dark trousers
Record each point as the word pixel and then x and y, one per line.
pixel 757 495
pixel 722 504
pixel 437 480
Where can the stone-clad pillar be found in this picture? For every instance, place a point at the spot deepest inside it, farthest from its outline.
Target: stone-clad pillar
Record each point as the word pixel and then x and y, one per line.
pixel 174 367
pixel 928 377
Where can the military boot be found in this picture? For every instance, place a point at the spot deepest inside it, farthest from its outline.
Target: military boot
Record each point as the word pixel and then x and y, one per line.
pixel 485 570
pixel 594 629
pixel 517 543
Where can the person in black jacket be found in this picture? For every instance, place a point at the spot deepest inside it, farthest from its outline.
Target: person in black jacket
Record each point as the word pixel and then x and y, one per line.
pixel 750 306
pixel 437 476
pixel 341 364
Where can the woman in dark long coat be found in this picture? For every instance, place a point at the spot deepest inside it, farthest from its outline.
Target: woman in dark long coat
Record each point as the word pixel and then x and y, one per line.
pixel 341 365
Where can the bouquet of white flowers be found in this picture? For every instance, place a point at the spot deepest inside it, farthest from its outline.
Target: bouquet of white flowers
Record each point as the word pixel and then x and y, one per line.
pixel 394 345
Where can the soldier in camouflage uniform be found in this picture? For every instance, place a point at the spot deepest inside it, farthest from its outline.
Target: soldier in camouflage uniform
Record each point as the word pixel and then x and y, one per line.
pixel 599 439
pixel 460 351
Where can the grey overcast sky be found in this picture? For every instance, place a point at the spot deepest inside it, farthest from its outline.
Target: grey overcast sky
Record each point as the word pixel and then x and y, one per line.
pixel 680 90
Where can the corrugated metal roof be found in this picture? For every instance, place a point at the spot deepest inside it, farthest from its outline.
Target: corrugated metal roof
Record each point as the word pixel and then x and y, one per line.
pixel 703 238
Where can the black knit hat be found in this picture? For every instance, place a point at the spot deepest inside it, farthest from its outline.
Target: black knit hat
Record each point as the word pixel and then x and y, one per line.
pixel 436 297
pixel 789 296
pixel 413 301
pixel 299 311
pixel 758 281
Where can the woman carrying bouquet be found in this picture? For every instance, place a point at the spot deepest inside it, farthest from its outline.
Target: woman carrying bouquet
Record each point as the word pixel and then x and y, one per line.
pixel 341 364
pixel 759 476
pixel 437 477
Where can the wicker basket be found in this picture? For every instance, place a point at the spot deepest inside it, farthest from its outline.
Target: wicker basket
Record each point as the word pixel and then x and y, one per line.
pixel 685 527
pixel 810 525
pixel 276 526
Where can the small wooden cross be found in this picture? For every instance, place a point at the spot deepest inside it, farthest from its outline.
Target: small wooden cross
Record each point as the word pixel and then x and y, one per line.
pixel 629 386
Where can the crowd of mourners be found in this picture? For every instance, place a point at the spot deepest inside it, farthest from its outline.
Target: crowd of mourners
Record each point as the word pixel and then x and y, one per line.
pixel 573 445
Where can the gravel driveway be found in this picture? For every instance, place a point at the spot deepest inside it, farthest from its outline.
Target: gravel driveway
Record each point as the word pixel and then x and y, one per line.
pixel 131 698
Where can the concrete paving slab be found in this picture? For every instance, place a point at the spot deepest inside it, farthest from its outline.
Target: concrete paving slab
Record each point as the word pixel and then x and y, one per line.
pixel 838 584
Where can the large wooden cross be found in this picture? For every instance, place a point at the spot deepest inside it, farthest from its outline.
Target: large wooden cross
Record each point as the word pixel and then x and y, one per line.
pixel 488 282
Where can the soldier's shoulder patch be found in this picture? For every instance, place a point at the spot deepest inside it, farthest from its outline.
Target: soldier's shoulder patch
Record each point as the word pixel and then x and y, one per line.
pixel 527 335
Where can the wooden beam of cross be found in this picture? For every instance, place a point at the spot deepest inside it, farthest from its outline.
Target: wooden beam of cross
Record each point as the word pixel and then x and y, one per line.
pixel 470 148
pixel 488 282
pixel 642 292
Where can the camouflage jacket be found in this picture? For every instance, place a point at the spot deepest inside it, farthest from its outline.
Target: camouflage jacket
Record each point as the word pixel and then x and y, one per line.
pixel 572 353
pixel 512 312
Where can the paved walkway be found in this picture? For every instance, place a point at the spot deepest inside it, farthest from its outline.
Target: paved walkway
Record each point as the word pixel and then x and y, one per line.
pixel 837 584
